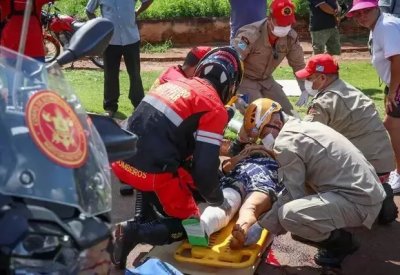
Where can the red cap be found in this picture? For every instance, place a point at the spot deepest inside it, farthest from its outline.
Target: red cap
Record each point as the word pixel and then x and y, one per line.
pixel 320 63
pixel 283 12
pixel 200 51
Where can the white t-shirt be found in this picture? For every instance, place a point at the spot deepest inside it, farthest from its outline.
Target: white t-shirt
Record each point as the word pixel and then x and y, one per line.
pixel 390 6
pixel 386 43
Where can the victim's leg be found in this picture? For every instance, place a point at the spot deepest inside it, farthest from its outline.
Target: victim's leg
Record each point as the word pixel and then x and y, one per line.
pixel 253 206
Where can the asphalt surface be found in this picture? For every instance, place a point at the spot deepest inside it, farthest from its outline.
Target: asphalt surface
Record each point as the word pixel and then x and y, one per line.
pixel 379 252
pixel 380 247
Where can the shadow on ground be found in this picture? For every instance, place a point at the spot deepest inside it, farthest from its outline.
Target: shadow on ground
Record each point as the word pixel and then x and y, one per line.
pixel 373 93
pixel 379 252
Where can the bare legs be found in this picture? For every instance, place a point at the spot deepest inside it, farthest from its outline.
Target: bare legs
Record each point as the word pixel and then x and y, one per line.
pixel 392 125
pixel 253 206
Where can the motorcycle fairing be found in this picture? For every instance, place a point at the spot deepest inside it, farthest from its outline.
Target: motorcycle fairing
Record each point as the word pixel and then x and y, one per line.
pixel 35 175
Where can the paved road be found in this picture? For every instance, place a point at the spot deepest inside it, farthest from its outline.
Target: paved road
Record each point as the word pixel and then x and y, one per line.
pixel 379 252
pixel 122 209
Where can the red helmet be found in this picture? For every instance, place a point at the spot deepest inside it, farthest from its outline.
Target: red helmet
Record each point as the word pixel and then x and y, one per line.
pixel 224 69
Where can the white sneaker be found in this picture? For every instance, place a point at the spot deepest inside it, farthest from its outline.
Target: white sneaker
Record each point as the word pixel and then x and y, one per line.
pixel 394 181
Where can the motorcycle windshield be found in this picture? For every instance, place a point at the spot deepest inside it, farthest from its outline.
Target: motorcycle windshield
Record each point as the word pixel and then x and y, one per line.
pixel 49 149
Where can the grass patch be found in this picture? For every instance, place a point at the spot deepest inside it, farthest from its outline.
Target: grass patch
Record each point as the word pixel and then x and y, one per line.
pixel 89 85
pixel 156 48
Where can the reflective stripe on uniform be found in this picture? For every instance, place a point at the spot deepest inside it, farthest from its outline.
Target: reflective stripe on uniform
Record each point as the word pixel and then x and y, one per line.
pixel 164 108
pixel 209 137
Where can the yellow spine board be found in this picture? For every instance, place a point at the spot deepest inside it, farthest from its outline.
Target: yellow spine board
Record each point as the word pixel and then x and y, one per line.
pixel 218 253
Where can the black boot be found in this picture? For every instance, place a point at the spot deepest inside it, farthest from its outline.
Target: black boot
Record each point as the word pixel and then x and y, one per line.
pixel 143 210
pixel 139 207
pixel 332 251
pixel 131 233
pixel 389 209
pixel 147 207
pixel 125 189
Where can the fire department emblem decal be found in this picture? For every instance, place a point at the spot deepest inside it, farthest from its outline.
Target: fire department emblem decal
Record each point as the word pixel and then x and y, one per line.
pixel 56 129
pixel 287 11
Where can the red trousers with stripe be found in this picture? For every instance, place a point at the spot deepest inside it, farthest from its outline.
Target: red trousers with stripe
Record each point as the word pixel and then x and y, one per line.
pixel 173 190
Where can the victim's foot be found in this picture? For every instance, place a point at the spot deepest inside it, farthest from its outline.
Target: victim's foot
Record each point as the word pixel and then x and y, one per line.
pixel 239 233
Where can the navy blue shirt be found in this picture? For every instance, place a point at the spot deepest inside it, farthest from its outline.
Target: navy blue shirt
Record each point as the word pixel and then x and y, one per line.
pixel 320 20
pixel 244 12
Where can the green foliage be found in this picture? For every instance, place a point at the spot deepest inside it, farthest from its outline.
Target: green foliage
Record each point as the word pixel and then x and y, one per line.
pixel 302 7
pixel 156 48
pixel 161 9
pixel 166 9
pixel 74 8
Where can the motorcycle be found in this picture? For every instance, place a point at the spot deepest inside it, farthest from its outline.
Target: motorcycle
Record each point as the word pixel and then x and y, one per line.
pixel 55 183
pixel 57 32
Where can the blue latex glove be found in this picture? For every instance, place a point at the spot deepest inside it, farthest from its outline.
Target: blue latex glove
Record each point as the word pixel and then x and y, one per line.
pixel 302 99
pixel 253 235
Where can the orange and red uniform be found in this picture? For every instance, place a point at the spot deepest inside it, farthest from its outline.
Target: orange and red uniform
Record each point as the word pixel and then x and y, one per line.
pixel 12 13
pixel 181 119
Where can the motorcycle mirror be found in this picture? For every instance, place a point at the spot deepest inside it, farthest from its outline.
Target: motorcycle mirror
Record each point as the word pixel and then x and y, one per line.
pixel 120 144
pixel 91 39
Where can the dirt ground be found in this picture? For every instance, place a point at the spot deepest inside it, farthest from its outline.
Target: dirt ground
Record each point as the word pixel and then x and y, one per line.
pixel 354 56
pixel 176 56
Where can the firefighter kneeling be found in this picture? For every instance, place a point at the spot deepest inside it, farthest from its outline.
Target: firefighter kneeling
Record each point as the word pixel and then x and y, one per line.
pixel 181 119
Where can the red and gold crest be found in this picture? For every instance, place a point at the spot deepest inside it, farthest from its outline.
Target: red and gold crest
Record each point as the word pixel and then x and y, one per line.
pixel 287 11
pixel 56 129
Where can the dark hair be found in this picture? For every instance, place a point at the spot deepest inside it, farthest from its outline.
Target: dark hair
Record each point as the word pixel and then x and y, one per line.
pixel 191 60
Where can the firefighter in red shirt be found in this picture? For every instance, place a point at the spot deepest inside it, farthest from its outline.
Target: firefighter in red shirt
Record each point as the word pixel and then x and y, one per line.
pixel 185 70
pixel 12 17
pixel 181 119
pixel 172 73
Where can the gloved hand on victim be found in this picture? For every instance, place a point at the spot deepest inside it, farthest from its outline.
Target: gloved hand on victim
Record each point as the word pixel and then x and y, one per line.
pixel 302 99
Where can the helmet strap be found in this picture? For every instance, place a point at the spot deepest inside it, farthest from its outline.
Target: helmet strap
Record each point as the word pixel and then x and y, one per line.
pixel 273 127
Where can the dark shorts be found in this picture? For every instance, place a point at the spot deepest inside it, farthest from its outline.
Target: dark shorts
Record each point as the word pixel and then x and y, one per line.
pixel 255 174
pixel 396 110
